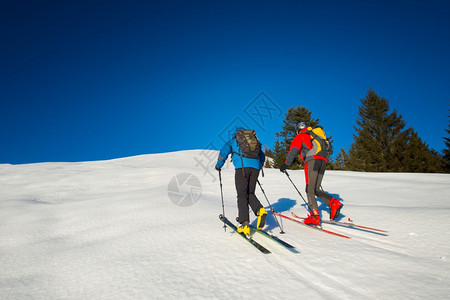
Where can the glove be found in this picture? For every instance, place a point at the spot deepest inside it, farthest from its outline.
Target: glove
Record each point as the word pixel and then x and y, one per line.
pixel 283 168
pixel 217 169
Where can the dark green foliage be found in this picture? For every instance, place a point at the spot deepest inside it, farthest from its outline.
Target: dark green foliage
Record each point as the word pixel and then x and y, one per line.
pixel 446 151
pixel 381 142
pixel 278 152
pixel 415 156
pixel 268 152
pixel 341 160
pixel 269 157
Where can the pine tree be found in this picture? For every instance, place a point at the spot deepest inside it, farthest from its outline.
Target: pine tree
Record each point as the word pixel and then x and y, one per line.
pixel 375 135
pixel 446 151
pixel 341 160
pixel 285 137
pixel 414 155
pixel 278 154
pixel 382 144
pixel 269 157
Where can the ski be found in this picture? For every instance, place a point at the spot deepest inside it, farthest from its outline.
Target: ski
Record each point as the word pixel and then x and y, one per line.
pixel 349 224
pixel 273 237
pixel 249 239
pixel 312 226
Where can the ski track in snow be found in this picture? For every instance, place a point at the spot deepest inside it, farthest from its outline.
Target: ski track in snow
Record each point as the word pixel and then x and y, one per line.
pixel 108 229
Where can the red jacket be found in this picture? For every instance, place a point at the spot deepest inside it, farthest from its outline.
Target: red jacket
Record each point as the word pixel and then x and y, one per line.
pixel 302 145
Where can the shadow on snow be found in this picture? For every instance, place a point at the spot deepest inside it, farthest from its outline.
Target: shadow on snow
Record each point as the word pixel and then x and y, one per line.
pixel 286 204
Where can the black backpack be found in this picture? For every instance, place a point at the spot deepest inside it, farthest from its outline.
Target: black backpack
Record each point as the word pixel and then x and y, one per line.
pixel 248 143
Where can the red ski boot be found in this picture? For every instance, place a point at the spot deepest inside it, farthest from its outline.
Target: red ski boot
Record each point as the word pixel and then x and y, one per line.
pixel 313 218
pixel 335 208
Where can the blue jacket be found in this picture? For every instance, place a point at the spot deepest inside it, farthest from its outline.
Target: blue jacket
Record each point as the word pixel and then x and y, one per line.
pixel 231 147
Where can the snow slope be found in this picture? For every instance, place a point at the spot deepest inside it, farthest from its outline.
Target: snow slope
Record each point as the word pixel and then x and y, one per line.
pixel 116 230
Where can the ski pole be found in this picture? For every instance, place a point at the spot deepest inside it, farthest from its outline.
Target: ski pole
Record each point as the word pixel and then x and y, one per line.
pixel 262 190
pixel 285 171
pixel 221 194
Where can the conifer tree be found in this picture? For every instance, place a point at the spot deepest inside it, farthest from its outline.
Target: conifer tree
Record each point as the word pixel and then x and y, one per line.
pixel 285 137
pixel 269 157
pixel 446 151
pixel 278 154
pixel 414 155
pixel 375 136
pixel 341 160
pixel 382 144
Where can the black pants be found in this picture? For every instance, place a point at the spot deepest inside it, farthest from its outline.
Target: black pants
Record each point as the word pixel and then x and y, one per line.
pixel 314 172
pixel 245 188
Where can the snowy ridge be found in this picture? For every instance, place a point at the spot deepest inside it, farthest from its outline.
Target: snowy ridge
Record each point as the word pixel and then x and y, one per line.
pixel 110 229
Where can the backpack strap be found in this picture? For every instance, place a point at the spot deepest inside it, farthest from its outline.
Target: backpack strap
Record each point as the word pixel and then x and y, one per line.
pixel 240 155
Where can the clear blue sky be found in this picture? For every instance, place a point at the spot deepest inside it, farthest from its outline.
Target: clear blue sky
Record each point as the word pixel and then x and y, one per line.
pixel 91 80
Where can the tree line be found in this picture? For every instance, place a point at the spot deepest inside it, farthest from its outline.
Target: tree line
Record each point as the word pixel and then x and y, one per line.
pixel 381 142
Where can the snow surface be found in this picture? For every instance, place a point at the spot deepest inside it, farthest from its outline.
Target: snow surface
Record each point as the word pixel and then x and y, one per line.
pixel 111 230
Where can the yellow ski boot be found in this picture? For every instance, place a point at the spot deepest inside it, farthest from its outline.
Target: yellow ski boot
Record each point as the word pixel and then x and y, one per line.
pixel 244 228
pixel 262 213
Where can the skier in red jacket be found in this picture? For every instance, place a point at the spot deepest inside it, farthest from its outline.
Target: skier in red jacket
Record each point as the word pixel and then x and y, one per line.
pixel 315 164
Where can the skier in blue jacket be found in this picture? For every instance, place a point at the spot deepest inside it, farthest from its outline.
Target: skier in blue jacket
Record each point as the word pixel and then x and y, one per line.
pixel 246 176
